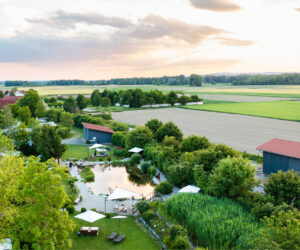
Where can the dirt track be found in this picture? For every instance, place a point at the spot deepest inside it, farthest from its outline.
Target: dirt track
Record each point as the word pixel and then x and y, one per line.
pixel 243 133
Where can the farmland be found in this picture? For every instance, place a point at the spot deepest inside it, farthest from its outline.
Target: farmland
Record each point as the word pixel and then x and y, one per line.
pixel 281 91
pixel 285 110
pixel 241 132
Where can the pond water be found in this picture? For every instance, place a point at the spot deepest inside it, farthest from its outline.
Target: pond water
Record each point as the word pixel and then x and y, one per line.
pixel 112 177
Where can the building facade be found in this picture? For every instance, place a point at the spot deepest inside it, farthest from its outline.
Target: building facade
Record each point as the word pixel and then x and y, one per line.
pixel 96 133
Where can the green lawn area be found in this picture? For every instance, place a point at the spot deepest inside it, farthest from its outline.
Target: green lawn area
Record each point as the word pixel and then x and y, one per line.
pixel 285 110
pixel 136 237
pixel 76 151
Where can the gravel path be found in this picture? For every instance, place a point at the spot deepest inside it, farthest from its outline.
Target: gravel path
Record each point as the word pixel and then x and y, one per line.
pixel 240 98
pixel 241 132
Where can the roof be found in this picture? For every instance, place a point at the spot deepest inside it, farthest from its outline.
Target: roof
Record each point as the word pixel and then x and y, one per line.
pixel 189 189
pixel 98 128
pixel 135 150
pixel 6 100
pixel 282 147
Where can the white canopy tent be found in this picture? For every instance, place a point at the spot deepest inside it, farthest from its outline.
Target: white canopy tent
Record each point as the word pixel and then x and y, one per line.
pixel 120 193
pixel 97 146
pixel 189 189
pixel 136 150
pixel 90 216
pixel 101 150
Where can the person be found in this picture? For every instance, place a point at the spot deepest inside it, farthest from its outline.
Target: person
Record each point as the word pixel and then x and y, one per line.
pixel 70 164
pixel 158 176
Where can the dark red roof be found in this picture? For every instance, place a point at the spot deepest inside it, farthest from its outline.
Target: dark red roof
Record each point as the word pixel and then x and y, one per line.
pixel 97 128
pixel 282 147
pixel 6 100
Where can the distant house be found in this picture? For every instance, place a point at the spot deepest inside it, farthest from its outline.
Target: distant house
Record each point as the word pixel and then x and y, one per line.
pixel 96 133
pixel 6 100
pixel 19 92
pixel 280 154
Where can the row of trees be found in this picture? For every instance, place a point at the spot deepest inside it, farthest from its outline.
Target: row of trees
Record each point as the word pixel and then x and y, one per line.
pixel 193 80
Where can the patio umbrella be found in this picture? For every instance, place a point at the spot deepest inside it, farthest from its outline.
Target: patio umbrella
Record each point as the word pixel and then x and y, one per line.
pixel 119 217
pixel 90 216
pixel 120 193
pixel 97 146
pixel 189 189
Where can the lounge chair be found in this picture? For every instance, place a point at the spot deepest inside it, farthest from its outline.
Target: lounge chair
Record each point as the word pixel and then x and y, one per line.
pixel 119 238
pixel 112 236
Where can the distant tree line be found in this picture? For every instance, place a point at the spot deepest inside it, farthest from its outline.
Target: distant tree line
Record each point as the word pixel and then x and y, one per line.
pixel 282 79
pixel 192 80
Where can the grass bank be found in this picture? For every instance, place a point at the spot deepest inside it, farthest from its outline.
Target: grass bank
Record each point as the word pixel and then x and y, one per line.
pixel 87 174
pixel 136 236
pixel 76 152
pixel 284 110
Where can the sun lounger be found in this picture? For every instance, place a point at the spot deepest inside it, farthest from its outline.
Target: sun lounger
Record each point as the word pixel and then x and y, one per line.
pixel 89 231
pixel 77 201
pixel 119 238
pixel 112 236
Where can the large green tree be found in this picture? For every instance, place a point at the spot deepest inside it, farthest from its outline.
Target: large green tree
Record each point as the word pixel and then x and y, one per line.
pixel 284 187
pixel 33 196
pixel 193 143
pixel 70 105
pixel 82 102
pixel 24 114
pixel 168 129
pixel 195 80
pixel 139 137
pixel 95 98
pixel 7 118
pixel 154 125
pixel 105 102
pixel 66 119
pixel 233 178
pixel 32 100
pixel 48 143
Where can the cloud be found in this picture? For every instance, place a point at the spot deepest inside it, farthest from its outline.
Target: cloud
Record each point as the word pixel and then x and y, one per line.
pixel 234 42
pixel 216 5
pixel 61 19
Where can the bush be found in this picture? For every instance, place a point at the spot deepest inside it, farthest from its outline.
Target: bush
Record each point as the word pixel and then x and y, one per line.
pixel 142 206
pixel 118 139
pixel 120 152
pixel 70 209
pixel 83 209
pixel 63 132
pixel 108 215
pixel 180 242
pixel 177 230
pixel 145 166
pixel 87 174
pixel 135 159
pixel 193 143
pixel 152 171
pixel 168 129
pixel 149 215
pixel 164 188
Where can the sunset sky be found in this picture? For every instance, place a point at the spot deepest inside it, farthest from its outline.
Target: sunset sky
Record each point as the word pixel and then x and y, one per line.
pixel 101 39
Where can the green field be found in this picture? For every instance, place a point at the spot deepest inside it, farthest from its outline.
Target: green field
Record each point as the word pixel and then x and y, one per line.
pixel 285 110
pixel 136 237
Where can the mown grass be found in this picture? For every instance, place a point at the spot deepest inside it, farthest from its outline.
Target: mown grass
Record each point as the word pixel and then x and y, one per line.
pixel 136 237
pixel 284 110
pixel 76 152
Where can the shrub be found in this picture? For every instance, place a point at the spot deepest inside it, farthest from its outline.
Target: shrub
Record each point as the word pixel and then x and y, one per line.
pixel 180 242
pixel 135 159
pixel 83 209
pixel 149 215
pixel 145 166
pixel 108 215
pixel 139 137
pixel 120 152
pixel 118 139
pixel 177 230
pixel 193 143
pixel 142 206
pixel 63 132
pixel 154 125
pixel 87 174
pixel 152 171
pixel 168 129
pixel 70 209
pixel 164 188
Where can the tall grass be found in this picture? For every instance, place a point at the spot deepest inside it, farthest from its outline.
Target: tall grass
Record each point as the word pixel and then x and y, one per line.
pixel 211 222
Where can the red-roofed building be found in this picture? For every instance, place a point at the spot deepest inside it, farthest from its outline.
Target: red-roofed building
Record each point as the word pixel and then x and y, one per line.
pixel 280 154
pixel 6 100
pixel 96 133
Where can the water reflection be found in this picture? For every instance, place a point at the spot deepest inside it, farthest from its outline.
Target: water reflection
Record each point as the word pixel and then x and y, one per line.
pixel 112 177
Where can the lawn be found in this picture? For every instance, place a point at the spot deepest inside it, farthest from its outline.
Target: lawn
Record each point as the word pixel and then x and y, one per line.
pixel 136 237
pixel 76 152
pixel 285 110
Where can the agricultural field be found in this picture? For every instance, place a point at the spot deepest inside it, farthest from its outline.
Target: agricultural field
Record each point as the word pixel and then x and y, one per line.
pixel 241 132
pixel 281 91
pixel 285 110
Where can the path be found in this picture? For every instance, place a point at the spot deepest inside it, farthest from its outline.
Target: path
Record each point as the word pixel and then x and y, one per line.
pixel 241 132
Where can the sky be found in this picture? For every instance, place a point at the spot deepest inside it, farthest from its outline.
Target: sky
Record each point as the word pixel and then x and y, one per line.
pixel 100 39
